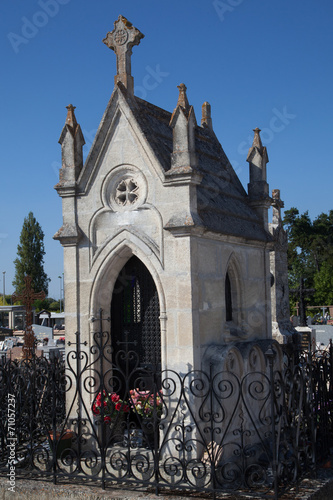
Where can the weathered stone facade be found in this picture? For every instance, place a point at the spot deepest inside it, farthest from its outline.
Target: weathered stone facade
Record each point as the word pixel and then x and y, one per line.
pixel 158 186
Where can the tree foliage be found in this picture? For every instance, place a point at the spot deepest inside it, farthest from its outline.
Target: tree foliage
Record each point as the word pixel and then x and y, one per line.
pixel 7 299
pixel 323 284
pixel 310 253
pixel 30 257
pixel 49 304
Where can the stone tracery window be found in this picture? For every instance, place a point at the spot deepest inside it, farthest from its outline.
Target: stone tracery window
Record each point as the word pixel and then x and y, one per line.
pixel 127 192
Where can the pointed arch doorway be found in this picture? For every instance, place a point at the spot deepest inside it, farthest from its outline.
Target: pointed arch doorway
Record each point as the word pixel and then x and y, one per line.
pixel 135 316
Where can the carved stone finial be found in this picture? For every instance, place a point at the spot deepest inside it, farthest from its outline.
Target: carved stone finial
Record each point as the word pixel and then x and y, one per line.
pixel 71 119
pixel 257 140
pixel 183 123
pixel 206 115
pixel 121 40
pixel 258 187
pixel 72 142
pixel 257 147
pixel 276 194
pixel 182 98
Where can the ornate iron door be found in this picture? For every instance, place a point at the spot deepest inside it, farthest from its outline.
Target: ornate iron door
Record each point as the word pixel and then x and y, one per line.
pixel 135 311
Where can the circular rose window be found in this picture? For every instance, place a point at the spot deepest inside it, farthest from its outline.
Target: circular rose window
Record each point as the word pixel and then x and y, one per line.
pixel 127 192
pixel 125 188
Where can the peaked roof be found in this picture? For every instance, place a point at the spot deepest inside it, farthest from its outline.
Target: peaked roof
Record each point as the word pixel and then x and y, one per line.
pixel 222 201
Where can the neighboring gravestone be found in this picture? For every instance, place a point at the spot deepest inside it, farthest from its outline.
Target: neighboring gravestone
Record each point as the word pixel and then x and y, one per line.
pixel 42 332
pixel 308 335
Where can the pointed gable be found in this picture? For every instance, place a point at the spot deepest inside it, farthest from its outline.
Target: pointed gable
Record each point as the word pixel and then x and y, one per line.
pixel 120 116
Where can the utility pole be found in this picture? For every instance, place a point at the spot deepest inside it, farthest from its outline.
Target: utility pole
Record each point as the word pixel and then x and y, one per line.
pixel 4 288
pixel 60 292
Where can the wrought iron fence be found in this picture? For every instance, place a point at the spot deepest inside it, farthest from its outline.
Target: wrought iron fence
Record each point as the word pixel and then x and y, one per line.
pixel 103 418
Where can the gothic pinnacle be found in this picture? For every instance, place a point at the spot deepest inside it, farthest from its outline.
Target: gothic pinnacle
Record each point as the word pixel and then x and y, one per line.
pixel 182 98
pixel 257 140
pixel 71 119
pixel 206 115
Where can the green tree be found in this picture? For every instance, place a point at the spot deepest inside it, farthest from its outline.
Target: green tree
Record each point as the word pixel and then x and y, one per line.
pixel 30 257
pixel 310 253
pixel 8 299
pixel 299 230
pixel 54 306
pixel 323 283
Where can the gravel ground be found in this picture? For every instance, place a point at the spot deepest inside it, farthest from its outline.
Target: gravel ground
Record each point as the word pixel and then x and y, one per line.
pixel 319 488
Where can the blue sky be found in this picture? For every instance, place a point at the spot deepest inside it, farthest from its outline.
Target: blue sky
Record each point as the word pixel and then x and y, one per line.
pixel 259 63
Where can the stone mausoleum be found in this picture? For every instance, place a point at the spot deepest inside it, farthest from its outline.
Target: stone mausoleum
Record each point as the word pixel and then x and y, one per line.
pixel 160 234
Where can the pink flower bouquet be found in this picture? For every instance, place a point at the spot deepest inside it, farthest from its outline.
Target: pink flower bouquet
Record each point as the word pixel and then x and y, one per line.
pixel 144 403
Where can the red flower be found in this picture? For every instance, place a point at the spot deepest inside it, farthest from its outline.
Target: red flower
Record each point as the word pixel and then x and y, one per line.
pixel 114 398
pixel 111 404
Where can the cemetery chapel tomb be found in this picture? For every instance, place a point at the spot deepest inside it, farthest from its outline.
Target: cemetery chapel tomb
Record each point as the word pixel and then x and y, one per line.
pixel 159 232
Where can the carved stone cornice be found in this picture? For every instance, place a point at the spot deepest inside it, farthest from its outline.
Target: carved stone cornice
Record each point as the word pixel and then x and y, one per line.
pixel 68 234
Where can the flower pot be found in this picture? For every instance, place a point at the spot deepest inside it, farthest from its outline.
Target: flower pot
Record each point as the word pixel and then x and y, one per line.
pixel 113 430
pixel 149 431
pixel 63 442
pixel 117 427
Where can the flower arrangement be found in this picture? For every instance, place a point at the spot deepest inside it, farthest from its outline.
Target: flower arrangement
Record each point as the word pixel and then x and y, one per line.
pixel 144 403
pixel 112 405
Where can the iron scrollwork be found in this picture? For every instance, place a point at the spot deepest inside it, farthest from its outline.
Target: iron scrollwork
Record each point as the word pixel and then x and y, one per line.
pixel 99 415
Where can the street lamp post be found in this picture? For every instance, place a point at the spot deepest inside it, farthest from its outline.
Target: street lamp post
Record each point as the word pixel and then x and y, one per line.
pixel 60 292
pixel 4 276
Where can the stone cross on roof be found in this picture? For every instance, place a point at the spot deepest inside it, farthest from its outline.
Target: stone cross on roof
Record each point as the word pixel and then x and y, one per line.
pixel 182 98
pixel 121 40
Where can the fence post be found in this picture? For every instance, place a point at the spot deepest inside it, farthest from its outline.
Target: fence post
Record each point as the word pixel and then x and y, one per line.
pixel 270 354
pixel 213 458
pixel 103 440
pixel 313 414
pixel 331 370
pixel 54 420
pixel 77 377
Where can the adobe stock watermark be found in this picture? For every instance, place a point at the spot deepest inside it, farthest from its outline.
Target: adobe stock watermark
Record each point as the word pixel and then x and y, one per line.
pixel 11 441
pixel 222 7
pixel 279 121
pixel 30 27
pixel 150 81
